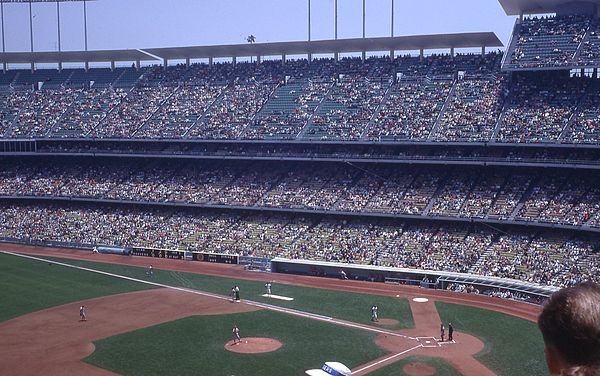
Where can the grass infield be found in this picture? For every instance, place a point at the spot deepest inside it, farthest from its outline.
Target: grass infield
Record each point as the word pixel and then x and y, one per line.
pixel 29 286
pixel 442 368
pixel 195 346
pixel 513 346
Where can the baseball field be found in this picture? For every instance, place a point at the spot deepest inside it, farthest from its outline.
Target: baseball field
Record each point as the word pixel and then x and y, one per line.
pixel 179 321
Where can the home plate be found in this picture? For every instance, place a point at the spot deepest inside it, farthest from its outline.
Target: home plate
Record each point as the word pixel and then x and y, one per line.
pixel 428 341
pixel 420 300
pixel 273 296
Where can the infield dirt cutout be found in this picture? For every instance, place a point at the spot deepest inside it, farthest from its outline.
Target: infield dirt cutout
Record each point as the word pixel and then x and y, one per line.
pixel 253 345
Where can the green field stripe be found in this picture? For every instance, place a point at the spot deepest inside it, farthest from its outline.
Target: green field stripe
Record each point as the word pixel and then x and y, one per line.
pixel 29 286
pixel 290 311
pixel 349 306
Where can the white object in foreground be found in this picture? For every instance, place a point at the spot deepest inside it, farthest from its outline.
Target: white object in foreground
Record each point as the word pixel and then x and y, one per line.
pixel 329 369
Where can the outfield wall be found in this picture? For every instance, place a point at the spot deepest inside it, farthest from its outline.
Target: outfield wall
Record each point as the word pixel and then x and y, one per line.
pixel 423 278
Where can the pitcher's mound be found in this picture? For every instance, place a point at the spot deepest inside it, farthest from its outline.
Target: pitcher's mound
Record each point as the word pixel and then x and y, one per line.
pixel 253 345
pixel 418 369
pixel 387 322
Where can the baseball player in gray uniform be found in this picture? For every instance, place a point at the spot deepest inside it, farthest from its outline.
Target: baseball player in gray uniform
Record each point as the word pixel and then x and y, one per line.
pixel 236 334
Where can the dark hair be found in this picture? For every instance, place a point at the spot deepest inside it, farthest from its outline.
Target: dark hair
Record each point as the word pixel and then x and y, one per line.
pixel 570 324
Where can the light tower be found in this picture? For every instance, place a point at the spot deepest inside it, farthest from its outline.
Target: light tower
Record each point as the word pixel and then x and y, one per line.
pixel 31 38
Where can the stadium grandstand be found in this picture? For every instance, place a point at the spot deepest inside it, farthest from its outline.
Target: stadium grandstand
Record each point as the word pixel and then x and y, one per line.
pixel 468 168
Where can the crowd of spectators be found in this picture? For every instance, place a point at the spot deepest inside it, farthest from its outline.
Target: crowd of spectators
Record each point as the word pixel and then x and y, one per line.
pixel 590 54
pixel 540 109
pixel 439 98
pixel 553 260
pixel 40 111
pixel 410 110
pixel 346 111
pixel 234 111
pixel 566 199
pixel 180 112
pixel 289 109
pixel 548 260
pixel 93 105
pixel 549 41
pixel 586 125
pixel 474 109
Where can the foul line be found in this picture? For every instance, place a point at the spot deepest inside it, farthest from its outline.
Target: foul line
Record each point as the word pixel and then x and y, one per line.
pixel 386 359
pixel 271 307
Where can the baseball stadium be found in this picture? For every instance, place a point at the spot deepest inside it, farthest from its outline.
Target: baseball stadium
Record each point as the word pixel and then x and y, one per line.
pixel 377 205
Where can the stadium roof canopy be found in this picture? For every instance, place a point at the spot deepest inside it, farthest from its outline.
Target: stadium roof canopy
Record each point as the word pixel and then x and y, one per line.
pixel 41 1
pixel 403 43
pixel 73 56
pixel 517 7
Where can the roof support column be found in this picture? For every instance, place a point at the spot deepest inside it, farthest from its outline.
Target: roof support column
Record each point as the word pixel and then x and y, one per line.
pixel 2 19
pixel 234 60
pixel 58 32
pixel 187 62
pixel 258 59
pixel 421 54
pixel 309 54
pixel 137 65
pixel 165 63
pixel 87 66
pixel 335 19
pixel 58 23
pixel 483 50
pixel 336 55
pixel 30 26
pixel 112 66
pixel 364 25
pixel 210 61
pixel 452 52
pixel 85 24
pixel 309 20
pixel 4 65
pixel 283 57
pixel 392 30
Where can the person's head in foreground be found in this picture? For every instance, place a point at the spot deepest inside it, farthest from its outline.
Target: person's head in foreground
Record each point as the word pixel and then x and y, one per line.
pixel 570 325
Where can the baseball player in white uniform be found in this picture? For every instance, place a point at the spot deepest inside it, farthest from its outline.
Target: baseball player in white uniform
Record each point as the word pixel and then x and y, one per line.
pixel 374 313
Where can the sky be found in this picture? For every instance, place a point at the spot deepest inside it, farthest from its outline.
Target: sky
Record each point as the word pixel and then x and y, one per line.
pixel 121 24
pixel 116 24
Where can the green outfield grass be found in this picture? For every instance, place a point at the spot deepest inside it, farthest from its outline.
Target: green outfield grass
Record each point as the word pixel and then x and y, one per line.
pixel 29 285
pixel 442 368
pixel 195 346
pixel 343 305
pixel 513 346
